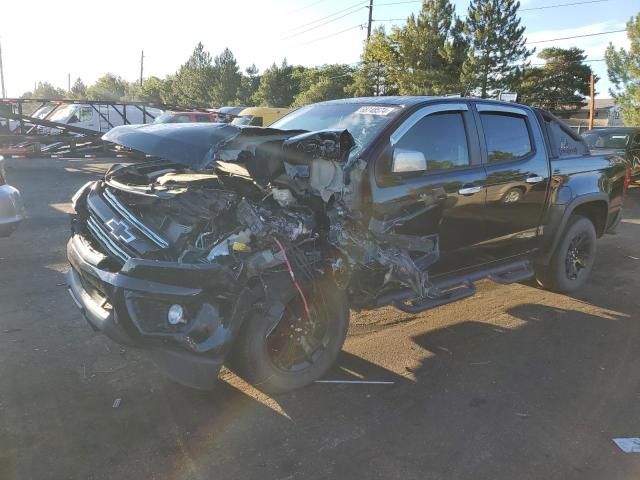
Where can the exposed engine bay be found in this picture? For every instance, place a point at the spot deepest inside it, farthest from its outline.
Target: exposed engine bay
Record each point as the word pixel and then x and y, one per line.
pixel 260 199
pixel 268 229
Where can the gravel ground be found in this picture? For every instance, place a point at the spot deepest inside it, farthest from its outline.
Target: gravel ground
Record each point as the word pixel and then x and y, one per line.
pixel 515 382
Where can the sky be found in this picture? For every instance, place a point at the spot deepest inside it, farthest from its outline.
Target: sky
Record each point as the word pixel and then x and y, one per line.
pixel 44 40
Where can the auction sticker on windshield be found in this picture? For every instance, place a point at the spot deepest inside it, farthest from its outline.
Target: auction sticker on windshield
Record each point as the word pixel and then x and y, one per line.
pixel 375 110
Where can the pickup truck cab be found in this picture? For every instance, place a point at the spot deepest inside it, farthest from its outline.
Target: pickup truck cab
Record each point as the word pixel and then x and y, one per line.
pixel 248 246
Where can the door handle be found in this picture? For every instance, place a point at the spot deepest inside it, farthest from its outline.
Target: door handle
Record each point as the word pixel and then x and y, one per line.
pixel 534 179
pixel 469 190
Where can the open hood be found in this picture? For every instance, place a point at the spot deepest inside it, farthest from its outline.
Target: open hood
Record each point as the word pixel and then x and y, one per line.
pixel 195 145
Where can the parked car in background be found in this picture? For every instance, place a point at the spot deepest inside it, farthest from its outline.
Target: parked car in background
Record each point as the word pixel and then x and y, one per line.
pixel 186 117
pixel 623 141
pixel 227 114
pixel 11 207
pixel 98 117
pixel 260 116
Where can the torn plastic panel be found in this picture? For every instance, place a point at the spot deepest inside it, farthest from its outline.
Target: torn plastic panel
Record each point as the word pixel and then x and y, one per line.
pixel 259 207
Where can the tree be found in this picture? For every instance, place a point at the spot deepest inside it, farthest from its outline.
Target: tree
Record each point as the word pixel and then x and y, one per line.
pixel 278 85
pixel 431 49
pixel 194 80
pixel 227 77
pixel 561 84
pixel 623 68
pixel 152 90
pixel 375 75
pixel 108 87
pixel 498 51
pixel 249 85
pixel 327 82
pixel 78 90
pixel 47 91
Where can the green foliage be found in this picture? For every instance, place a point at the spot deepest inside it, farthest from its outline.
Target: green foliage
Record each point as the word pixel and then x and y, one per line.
pixel 108 87
pixel 375 75
pixel 327 82
pixel 561 84
pixel 152 90
pixel 279 85
pixel 429 51
pixel 193 82
pixel 249 84
pixel 78 90
pixel 623 68
pixel 498 50
pixel 45 90
pixel 227 79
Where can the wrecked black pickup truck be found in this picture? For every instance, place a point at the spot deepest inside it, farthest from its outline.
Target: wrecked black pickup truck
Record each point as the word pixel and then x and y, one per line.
pixel 249 246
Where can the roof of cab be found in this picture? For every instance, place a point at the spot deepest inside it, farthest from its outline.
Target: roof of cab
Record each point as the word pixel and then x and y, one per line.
pixel 406 101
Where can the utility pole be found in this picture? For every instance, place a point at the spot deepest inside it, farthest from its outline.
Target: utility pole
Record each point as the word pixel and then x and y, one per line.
pixel 2 90
pixel 141 66
pixel 69 82
pixel 592 101
pixel 370 19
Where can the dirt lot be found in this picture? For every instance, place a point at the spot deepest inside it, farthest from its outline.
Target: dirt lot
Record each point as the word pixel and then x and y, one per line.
pixel 514 383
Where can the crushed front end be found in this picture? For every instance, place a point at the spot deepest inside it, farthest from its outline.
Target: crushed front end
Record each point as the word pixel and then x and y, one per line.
pixel 175 256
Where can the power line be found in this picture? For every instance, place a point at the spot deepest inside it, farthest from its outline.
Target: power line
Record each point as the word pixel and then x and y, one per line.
pixel 561 5
pixel 558 5
pixel 359 4
pixel 322 24
pixel 520 10
pixel 308 6
pixel 360 25
pixel 577 36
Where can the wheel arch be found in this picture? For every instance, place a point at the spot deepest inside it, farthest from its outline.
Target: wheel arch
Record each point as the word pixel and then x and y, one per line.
pixel 593 206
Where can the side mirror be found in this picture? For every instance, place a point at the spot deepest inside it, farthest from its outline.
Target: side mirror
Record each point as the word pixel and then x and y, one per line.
pixel 405 161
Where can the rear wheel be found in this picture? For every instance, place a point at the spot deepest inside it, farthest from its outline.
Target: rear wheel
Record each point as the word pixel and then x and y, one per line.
pixel 573 259
pixel 296 349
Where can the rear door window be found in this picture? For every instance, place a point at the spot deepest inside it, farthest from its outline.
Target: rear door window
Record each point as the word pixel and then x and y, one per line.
pixel 183 119
pixel 564 143
pixel 202 118
pixel 506 136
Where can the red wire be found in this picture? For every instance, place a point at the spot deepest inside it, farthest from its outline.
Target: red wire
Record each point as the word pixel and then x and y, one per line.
pixel 293 278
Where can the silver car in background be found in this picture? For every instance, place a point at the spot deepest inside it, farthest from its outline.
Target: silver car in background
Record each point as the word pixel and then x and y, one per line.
pixel 11 206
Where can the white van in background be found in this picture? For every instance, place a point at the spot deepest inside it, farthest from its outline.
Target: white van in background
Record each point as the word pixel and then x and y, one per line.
pixel 100 118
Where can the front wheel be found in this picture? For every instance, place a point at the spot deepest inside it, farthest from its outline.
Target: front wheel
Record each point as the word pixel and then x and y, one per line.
pixel 573 259
pixel 297 348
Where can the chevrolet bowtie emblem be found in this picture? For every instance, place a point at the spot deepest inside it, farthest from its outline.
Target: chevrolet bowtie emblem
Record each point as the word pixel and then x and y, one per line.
pixel 120 230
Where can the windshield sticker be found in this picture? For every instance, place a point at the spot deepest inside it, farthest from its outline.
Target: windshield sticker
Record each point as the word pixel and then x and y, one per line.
pixel 372 110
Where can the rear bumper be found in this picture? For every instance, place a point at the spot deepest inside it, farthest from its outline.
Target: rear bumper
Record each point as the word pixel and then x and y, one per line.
pixel 132 311
pixel 11 210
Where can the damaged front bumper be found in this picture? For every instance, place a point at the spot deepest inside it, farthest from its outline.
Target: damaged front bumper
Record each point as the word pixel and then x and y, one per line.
pixel 130 307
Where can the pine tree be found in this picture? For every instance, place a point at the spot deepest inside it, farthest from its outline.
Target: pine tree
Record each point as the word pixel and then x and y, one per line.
pixel 561 84
pixel 429 49
pixel 279 85
pixel 498 46
pixel 374 77
pixel 194 79
pixel 227 79
pixel 624 72
pixel 78 89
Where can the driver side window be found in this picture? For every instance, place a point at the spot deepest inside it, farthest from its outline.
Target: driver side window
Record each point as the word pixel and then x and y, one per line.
pixel 441 138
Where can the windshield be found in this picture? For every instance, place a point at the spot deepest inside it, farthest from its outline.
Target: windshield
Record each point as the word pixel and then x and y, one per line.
pixel 362 121
pixel 244 120
pixel 606 140
pixel 63 113
pixel 164 118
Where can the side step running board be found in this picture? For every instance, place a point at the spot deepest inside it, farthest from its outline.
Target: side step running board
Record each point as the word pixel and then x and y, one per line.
pixel 456 288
